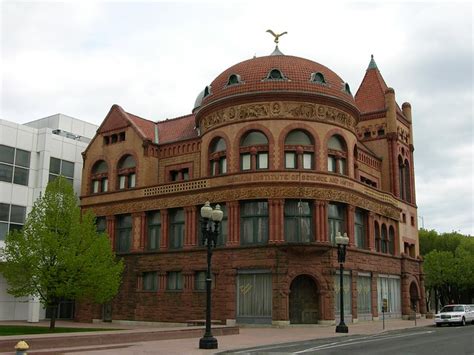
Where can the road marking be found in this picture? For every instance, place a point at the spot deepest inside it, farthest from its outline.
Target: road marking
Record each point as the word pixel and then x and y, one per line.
pixel 353 342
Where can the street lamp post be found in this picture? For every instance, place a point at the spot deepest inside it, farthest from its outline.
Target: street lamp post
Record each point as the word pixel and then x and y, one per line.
pixel 209 234
pixel 341 242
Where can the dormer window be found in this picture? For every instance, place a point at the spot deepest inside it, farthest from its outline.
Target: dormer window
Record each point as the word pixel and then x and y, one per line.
pixel 347 88
pixel 234 79
pixel 207 91
pixel 318 78
pixel 275 74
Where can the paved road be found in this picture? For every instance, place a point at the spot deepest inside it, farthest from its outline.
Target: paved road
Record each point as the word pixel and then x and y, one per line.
pixel 428 340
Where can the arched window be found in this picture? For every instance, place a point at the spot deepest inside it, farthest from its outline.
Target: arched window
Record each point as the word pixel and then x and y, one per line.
pixel 217 157
pixel 384 239
pixel 318 78
pixel 407 181
pixel 233 79
pixel 337 155
pixel 377 236
pixel 254 151
pixel 126 172
pixel 99 177
pixel 391 240
pixel 347 88
pixel 401 178
pixel 275 74
pixel 299 150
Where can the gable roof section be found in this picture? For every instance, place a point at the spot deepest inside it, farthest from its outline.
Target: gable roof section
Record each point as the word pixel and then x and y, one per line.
pixel 176 129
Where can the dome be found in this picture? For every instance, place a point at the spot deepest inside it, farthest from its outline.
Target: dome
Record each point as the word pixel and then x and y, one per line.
pixel 280 73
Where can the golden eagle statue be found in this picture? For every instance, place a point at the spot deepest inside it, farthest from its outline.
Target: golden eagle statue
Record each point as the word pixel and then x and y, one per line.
pixel 277 36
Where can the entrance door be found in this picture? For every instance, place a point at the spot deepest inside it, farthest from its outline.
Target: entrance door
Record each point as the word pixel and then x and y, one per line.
pixel 304 302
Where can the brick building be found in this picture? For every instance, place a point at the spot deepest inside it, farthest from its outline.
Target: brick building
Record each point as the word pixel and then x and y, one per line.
pixel 293 157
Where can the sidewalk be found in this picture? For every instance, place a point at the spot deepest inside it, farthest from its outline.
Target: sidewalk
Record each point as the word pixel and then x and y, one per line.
pixel 176 344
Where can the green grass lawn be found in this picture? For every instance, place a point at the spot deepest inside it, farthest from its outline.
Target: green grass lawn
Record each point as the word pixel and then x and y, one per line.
pixel 24 329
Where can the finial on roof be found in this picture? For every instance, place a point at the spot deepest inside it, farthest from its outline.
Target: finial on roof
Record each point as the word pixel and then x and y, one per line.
pixel 277 51
pixel 372 64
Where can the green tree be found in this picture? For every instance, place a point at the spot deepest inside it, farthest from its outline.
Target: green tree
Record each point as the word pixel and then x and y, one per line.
pixel 448 265
pixel 59 254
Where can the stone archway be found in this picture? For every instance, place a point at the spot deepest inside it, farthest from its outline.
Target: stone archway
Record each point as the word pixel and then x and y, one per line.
pixel 304 300
pixel 414 297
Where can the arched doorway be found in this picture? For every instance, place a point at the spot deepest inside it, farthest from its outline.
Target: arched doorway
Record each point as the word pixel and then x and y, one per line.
pixel 304 301
pixel 414 298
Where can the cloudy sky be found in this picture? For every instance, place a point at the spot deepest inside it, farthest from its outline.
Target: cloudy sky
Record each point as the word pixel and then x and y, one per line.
pixel 153 58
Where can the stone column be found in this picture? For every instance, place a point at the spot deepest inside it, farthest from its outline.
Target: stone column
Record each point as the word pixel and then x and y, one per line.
pixel 324 221
pixel 111 230
pixel 373 295
pixel 233 223
pixel 371 232
pixel 350 224
pixel 354 294
pixel 276 221
pixel 190 219
pixel 164 229
pixel 143 232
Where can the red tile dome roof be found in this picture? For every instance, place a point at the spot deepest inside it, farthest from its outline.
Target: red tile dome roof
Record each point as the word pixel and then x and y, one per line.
pixel 297 74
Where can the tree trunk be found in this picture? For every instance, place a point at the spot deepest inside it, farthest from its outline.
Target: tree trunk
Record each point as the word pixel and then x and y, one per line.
pixel 52 321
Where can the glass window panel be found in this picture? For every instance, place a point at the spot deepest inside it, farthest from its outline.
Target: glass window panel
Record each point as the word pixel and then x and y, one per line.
pixel 254 138
pixel 290 160
pixel 15 226
pixel 99 167
pixel 262 161
pixel 245 159
pixel 307 161
pixel 331 164
pixel 360 228
pixel 6 172
pixel 95 186
pixel 67 169
pixel 150 281
pixel 336 143
pixel 131 180
pixel 100 224
pixel 364 295
pixel 185 174
pixel 55 166
pixel 52 177
pixel 21 176
pixel 122 179
pixel 22 158
pixel 7 154
pixel 4 212
pixel 223 165
pixel 214 168
pixel 218 146
pixel 200 280
pixel 127 162
pixel 17 214
pixel 346 283
pixel 105 185
pixel 3 230
pixel 298 138
pixel 342 166
pixel 70 181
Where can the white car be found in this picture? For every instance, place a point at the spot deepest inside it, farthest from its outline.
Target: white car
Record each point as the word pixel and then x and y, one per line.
pixel 455 314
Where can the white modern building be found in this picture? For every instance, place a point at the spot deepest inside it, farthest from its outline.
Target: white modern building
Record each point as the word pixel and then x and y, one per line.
pixel 30 155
